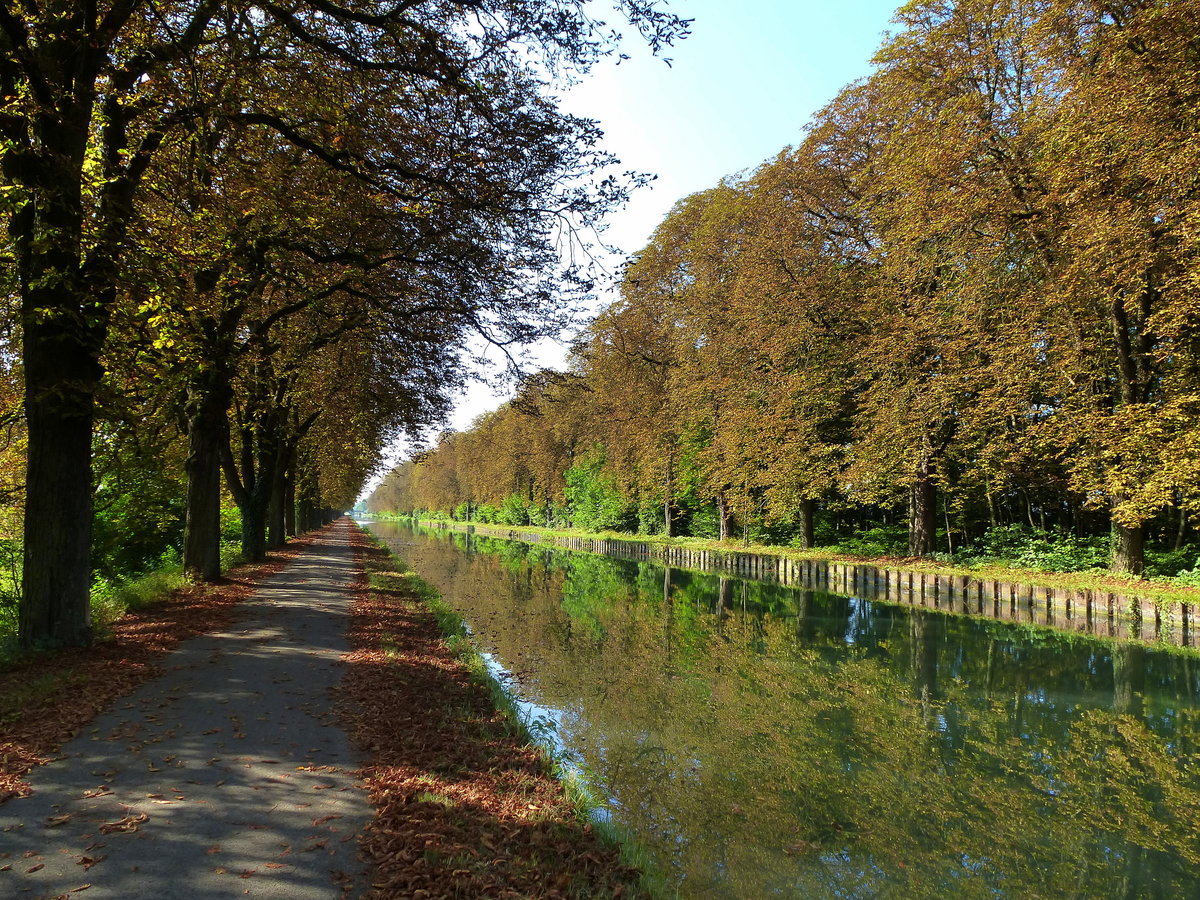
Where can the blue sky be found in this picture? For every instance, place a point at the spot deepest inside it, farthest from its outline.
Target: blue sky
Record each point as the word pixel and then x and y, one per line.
pixel 738 91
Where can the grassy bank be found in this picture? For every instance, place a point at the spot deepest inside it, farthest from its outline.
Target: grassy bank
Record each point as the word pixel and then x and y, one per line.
pixel 536 800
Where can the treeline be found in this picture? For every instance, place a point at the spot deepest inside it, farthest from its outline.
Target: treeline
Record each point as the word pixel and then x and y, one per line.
pixel 967 299
pixel 244 245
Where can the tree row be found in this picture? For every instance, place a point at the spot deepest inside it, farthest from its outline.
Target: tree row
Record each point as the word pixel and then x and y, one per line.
pixel 968 298
pixel 246 243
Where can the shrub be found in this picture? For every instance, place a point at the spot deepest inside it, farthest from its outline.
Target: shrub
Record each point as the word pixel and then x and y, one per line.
pixel 595 502
pixel 514 510
pixel 1029 548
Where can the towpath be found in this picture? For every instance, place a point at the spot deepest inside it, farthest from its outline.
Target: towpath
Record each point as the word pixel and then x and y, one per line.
pixel 225 777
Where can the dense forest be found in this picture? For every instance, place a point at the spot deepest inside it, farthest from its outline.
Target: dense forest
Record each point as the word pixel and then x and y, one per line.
pixel 964 308
pixel 244 247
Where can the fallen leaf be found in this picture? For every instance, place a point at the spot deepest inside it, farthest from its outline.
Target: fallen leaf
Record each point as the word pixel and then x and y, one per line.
pixel 33 869
pixel 88 861
pixel 55 821
pixel 129 823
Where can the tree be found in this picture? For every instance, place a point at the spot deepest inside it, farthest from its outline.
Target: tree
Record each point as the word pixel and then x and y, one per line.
pixel 90 94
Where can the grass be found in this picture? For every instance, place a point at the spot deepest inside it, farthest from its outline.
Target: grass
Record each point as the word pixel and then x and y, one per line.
pixel 578 787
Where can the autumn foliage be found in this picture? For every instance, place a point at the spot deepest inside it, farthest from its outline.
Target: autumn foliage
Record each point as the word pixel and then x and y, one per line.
pixel 967 299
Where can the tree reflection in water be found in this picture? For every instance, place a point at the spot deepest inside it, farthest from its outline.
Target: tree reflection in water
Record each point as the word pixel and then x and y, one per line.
pixel 763 740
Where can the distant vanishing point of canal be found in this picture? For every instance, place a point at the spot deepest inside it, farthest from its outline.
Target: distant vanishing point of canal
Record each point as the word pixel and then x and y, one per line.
pixel 768 741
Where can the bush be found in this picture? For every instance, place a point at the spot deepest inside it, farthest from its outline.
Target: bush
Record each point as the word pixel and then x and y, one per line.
pixel 596 504
pixel 1172 563
pixel 514 510
pixel 112 597
pixel 703 522
pixel 884 540
pixel 231 524
pixel 10 584
pixel 1029 548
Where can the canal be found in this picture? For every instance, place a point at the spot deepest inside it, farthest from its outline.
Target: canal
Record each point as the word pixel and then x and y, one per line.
pixel 761 740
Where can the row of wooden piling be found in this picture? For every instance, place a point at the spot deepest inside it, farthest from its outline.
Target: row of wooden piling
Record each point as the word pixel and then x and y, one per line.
pixel 1085 610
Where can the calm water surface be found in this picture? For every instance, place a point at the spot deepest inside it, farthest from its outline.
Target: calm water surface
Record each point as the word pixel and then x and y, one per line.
pixel 768 741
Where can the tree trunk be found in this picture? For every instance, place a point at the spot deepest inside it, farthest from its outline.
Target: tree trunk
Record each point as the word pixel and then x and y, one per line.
pixel 251 491
pixel 1129 549
pixel 254 528
pixel 925 633
pixel 55 606
pixel 62 326
pixel 289 502
pixel 1181 524
pixel 725 516
pixel 804 516
pixel 275 514
pixel 922 511
pixel 202 529
pixel 277 510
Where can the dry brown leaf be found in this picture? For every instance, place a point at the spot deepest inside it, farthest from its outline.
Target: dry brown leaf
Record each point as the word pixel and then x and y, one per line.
pixel 129 823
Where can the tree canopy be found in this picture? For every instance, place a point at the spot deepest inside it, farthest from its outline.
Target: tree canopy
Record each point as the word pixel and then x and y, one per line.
pixel 273 226
pixel 965 300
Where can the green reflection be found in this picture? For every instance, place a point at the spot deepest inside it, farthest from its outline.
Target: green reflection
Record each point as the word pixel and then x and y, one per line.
pixel 764 740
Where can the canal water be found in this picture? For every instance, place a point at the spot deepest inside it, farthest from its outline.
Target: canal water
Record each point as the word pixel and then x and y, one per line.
pixel 761 740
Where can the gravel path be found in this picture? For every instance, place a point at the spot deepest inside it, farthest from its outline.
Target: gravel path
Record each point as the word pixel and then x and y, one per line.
pixel 227 777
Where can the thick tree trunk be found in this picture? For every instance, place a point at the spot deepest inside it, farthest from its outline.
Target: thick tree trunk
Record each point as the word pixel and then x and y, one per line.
pixel 202 529
pixel 925 633
pixel 55 607
pixel 1129 549
pixel 252 492
pixel 922 511
pixel 804 522
pixel 63 324
pixel 805 625
pixel 254 529
pixel 304 515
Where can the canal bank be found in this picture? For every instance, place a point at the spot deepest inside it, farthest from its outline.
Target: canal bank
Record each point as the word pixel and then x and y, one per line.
pixel 761 739
pixel 1152 616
